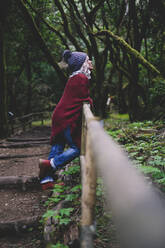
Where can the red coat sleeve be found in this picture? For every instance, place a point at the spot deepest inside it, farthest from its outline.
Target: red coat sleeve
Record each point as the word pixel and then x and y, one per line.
pixel 83 89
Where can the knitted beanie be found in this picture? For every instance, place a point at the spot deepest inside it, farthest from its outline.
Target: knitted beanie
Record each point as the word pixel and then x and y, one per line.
pixel 74 59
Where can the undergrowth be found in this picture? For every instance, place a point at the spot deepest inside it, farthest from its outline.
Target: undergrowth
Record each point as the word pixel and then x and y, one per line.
pixel 68 192
pixel 145 144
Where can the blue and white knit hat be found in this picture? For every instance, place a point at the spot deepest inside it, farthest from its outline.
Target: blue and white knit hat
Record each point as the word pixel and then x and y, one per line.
pixel 74 59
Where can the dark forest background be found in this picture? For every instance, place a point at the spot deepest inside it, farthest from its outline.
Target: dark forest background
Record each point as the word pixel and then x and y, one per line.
pixel 125 40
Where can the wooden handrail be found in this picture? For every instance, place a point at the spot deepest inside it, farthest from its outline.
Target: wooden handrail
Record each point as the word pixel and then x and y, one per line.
pixel 138 207
pixel 26 120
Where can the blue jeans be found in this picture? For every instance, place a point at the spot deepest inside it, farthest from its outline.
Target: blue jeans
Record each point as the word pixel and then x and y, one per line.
pixel 58 156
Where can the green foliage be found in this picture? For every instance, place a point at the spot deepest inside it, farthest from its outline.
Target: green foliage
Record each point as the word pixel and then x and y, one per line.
pixel 71 194
pixel 72 170
pixel 59 245
pixel 63 216
pixel 157 92
pixel 58 196
pixel 71 197
pixel 45 122
pixel 49 214
pixel 99 189
pixel 66 211
pixel 117 116
pixel 155 172
pixel 157 160
pixel 144 145
pixel 156 98
pixel 76 188
pixel 161 181
pixel 63 192
pixel 60 215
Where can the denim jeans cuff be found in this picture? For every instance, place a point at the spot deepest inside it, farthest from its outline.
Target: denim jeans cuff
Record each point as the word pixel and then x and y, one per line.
pixel 52 164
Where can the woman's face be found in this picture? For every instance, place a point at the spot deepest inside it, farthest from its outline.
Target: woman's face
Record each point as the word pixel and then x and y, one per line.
pixel 89 62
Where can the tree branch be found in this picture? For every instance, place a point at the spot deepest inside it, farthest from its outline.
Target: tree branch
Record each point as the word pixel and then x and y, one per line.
pixel 123 44
pixel 66 25
pixel 78 28
pixel 50 27
pixel 39 39
pixel 92 13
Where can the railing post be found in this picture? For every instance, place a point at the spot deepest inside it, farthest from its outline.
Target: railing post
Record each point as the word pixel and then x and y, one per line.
pixel 88 190
pixel 83 135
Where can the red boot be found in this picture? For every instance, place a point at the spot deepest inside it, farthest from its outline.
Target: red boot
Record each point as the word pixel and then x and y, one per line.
pixel 47 183
pixel 45 167
pixel 46 186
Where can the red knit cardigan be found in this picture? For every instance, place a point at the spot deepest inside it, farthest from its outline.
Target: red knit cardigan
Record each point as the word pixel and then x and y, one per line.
pixel 68 111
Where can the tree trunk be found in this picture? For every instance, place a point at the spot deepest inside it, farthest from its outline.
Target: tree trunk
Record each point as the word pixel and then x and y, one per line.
pixel 29 78
pixel 40 41
pixel 104 109
pixel 99 88
pixel 121 99
pixel 12 90
pixel 3 86
pixel 133 104
pixel 4 127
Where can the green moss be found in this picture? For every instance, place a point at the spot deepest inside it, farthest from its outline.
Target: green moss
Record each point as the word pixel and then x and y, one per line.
pixel 39 123
pixel 120 116
pixel 123 44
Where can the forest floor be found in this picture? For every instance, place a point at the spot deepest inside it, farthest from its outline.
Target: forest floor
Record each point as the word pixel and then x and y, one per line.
pixel 20 206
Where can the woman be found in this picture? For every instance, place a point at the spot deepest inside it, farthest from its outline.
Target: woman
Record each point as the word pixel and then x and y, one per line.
pixel 66 118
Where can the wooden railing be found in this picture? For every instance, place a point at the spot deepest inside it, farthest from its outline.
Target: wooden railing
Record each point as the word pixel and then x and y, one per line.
pixel 138 208
pixel 25 121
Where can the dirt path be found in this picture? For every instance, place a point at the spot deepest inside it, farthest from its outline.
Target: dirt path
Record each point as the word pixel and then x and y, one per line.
pixel 21 205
